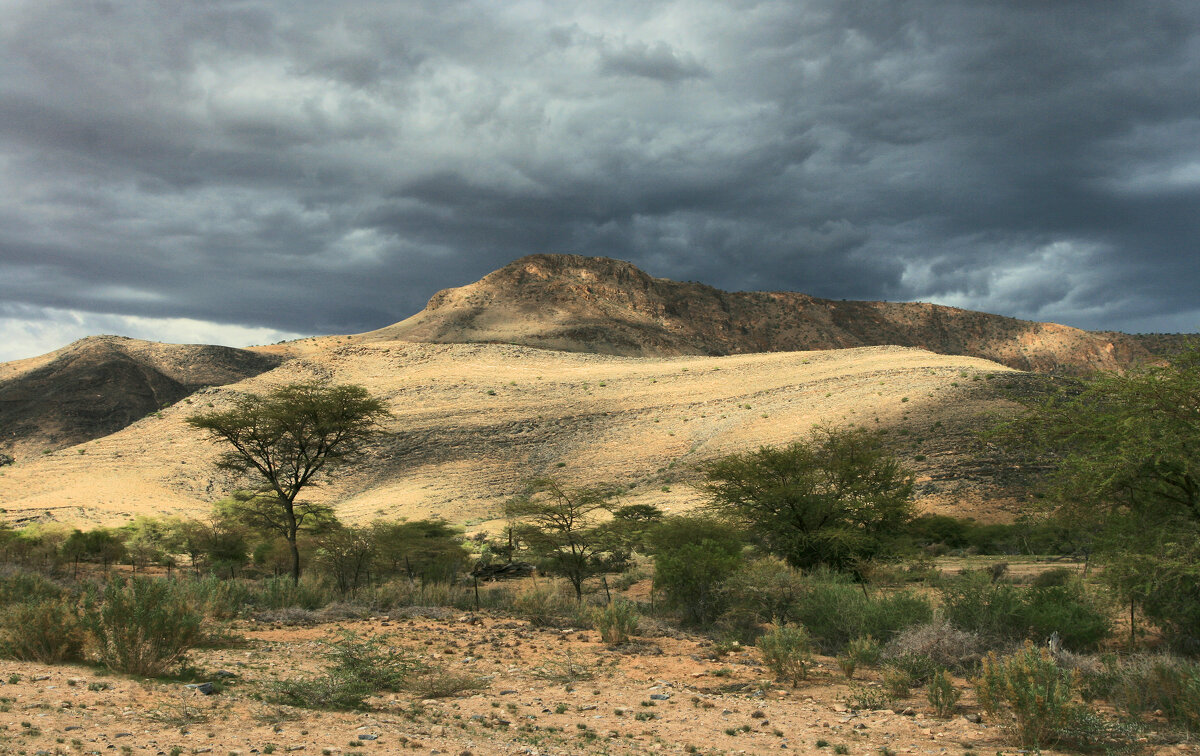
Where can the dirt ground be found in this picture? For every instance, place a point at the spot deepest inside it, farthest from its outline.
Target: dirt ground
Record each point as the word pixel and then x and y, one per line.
pixel 548 691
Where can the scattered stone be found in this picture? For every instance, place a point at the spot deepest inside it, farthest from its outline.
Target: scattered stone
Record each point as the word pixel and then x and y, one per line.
pixel 367 736
pixel 660 696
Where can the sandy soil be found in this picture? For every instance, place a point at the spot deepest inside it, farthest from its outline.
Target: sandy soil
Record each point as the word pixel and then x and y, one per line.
pixel 660 694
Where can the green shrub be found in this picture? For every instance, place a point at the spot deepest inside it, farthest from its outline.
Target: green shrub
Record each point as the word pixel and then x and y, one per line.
pixel 766 591
pixel 371 659
pixel 1029 688
pixel 689 578
pixel 898 682
pixel 215 597
pixel 329 690
pixel 1069 610
pixel 44 630
pixel 862 698
pixel 1003 613
pixel 1144 684
pixel 835 610
pixel 404 592
pixel 919 668
pixel 28 587
pixel 1055 576
pixel 973 603
pixel 942 694
pixel 616 622
pixel 141 626
pixel 858 652
pixel 281 592
pixel 787 651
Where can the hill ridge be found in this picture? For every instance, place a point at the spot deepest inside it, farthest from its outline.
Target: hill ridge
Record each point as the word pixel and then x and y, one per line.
pixel 595 304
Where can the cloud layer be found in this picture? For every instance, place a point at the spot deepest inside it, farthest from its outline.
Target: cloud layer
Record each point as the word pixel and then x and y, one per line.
pixel 313 167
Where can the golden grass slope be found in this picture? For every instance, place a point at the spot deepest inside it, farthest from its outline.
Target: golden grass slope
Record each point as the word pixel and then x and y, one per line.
pixel 472 420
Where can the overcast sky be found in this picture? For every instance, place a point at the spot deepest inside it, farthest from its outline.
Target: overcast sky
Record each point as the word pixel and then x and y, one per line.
pixel 243 172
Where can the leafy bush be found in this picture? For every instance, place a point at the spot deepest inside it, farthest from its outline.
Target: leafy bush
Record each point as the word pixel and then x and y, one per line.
pixel 1031 690
pixel 141 626
pixel 217 597
pixel 1069 610
pixel 356 667
pixel 1053 577
pixel 942 694
pixel 919 668
pixel 858 652
pixel 690 575
pixel 974 604
pixel 768 590
pixel 616 622
pixel 898 682
pixel 835 610
pixel 45 630
pixel 1003 613
pixel 28 587
pixel 282 592
pixel 787 651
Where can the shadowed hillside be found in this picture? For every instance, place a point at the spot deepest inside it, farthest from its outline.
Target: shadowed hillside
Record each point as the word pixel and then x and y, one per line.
pixel 583 304
pixel 99 385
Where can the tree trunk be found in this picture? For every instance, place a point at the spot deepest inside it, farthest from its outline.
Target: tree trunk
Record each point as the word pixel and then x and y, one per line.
pixel 295 549
pixel 293 530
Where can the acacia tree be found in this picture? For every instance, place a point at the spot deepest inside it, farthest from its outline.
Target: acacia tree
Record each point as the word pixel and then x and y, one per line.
pixel 286 439
pixel 833 500
pixel 1125 456
pixel 563 527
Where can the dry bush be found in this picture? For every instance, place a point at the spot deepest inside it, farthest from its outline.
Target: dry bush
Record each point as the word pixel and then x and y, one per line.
pixel 941 642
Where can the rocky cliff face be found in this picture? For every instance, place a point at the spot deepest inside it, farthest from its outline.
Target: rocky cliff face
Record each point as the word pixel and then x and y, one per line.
pixel 583 304
pixel 98 385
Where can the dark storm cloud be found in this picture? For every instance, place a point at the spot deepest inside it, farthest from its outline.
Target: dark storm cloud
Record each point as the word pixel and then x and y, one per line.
pixel 272 168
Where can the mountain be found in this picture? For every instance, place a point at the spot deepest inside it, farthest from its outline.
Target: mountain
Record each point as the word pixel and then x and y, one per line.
pixel 599 305
pixel 101 384
pixel 583 368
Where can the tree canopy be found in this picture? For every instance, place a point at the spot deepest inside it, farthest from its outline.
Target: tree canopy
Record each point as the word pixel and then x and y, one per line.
pixel 566 528
pixel 833 499
pixel 1124 453
pixel 286 439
